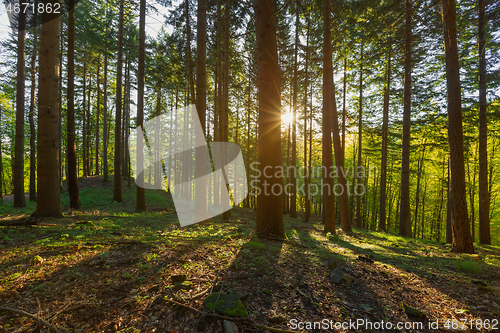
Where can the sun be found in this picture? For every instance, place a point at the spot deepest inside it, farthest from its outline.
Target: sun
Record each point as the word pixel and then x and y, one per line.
pixel 287 118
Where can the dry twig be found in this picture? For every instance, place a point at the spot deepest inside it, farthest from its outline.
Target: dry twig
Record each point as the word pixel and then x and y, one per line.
pixel 46 323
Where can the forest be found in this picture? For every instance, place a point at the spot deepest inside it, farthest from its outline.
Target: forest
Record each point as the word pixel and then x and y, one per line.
pixel 358 190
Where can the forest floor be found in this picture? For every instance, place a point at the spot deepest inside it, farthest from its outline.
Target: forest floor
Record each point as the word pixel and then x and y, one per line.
pixel 107 268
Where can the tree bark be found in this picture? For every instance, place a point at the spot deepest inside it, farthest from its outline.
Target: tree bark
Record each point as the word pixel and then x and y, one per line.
pixel 225 88
pixel 19 200
pixel 460 227
pixel 293 180
pixel 98 116
pixel 140 192
pixel 32 196
pixel 105 108
pixel 73 188
pixel 327 157
pixel 117 194
pixel 484 196
pixel 48 201
pixel 405 213
pixel 385 130
pixel 269 215
pixel 307 177
pixel 359 219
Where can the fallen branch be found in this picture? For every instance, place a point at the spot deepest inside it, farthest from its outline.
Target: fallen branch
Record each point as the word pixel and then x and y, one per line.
pixel 46 323
pixel 243 320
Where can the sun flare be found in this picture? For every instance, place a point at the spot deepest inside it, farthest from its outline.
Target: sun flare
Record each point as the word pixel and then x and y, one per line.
pixel 287 118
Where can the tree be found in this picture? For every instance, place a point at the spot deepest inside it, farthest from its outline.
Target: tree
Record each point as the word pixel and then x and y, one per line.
pixel 269 215
pixel 385 129
pixel 405 213
pixel 19 200
pixel 461 235
pixel 141 195
pixel 484 196
pixel 31 116
pixel 73 188
pixel 117 194
pixel 48 199
pixel 293 180
pixel 328 197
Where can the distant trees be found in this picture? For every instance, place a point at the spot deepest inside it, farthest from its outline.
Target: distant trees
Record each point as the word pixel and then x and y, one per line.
pixel 269 215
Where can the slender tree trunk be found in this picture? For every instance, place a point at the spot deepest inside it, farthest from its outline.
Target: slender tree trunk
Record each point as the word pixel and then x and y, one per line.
pixel 328 197
pixel 462 240
pixel 117 196
pixel 140 192
pixel 105 108
pixel 293 179
pixel 1 165
pixel 88 153
pixel 307 177
pixel 344 111
pixel 269 216
pixel 405 217
pixel 19 200
pixel 225 93
pixel 84 120
pixel 188 51
pixel 484 197
pixel 61 164
pixel 73 188
pixel 359 219
pixel 48 198
pixel 385 130
pixel 449 237
pixel 98 116
pixel 32 116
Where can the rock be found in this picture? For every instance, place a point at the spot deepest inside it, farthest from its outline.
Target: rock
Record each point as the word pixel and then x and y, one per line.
pixel 230 327
pixel 186 285
pixel 412 311
pixel 241 293
pixel 226 304
pixel 178 278
pixel 277 319
pixel 337 277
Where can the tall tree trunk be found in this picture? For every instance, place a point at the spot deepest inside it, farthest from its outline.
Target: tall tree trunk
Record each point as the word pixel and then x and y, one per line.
pixel 460 227
pixel 307 177
pixel 225 93
pixel 32 196
pixel 48 199
pixel 73 188
pixel 269 215
pixel 188 51
pixel 140 192
pixel 201 106
pixel 117 194
pixel 484 198
pixel 105 108
pixel 84 120
pixel 1 165
pixel 344 111
pixel 88 153
pixel 293 179
pixel 61 164
pixel 449 237
pixel 405 217
pixel 19 200
pixel 385 130
pixel 98 116
pixel 359 219
pixel 327 157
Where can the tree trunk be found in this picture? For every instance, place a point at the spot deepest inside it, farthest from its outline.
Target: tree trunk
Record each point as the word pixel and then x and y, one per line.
pixel 385 130
pixel 188 51
pixel 48 199
pixel 73 188
pixel 307 177
pixel 105 108
pixel 84 120
pixel 359 219
pixel 98 116
pixel 327 157
pixel 19 200
pixel 32 116
pixel 117 194
pixel 460 227
pixel 405 217
pixel 225 93
pixel 293 179
pixel 344 111
pixel 1 165
pixel 269 215
pixel 484 197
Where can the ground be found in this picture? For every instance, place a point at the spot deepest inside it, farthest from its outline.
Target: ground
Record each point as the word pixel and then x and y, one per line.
pixel 107 268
